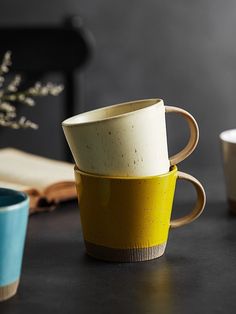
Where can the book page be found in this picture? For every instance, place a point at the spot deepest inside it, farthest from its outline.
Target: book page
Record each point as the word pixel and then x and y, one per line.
pixel 21 168
pixel 15 186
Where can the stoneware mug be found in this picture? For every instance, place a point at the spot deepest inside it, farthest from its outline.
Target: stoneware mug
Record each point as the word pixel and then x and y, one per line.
pixel 228 149
pixel 14 208
pixel 127 219
pixel 127 139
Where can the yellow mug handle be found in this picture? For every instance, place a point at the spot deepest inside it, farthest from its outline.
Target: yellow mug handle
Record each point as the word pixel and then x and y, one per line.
pixel 200 203
pixel 194 135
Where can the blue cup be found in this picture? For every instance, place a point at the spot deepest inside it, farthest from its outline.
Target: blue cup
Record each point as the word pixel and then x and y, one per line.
pixel 14 210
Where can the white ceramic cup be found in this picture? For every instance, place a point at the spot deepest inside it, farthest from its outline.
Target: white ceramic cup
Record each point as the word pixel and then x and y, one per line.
pixel 228 147
pixel 127 139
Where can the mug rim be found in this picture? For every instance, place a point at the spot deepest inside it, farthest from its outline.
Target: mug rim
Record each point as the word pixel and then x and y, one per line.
pixel 173 169
pixel 69 121
pixel 224 136
pixel 14 206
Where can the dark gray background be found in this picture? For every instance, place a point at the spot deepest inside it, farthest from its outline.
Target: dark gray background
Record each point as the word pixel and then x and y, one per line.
pixel 181 51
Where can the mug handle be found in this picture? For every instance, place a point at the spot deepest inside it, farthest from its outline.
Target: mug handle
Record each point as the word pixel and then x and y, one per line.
pixel 200 203
pixel 194 135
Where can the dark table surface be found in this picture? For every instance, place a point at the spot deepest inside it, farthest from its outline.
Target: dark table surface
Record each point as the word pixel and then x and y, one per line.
pixel 197 274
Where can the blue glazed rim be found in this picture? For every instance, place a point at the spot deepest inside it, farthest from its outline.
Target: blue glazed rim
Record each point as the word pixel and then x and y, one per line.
pixel 12 199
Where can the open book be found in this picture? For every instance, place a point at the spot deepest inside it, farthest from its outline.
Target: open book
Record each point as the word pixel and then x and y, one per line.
pixel 46 181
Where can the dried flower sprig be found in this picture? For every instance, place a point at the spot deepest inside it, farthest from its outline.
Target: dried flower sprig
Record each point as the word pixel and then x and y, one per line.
pixel 11 94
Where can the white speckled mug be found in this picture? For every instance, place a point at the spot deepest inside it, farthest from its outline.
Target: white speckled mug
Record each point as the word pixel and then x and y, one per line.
pixel 127 139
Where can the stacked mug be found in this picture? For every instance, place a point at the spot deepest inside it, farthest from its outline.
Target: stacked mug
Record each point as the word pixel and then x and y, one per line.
pixel 125 179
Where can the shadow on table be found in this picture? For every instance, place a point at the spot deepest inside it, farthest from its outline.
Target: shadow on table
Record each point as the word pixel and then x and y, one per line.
pixel 153 286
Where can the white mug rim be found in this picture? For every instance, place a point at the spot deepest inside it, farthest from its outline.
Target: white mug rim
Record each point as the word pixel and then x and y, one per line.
pixel 148 103
pixel 225 136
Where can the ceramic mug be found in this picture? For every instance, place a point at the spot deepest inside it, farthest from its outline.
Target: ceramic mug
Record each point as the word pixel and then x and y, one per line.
pixel 14 209
pixel 127 219
pixel 228 148
pixel 127 139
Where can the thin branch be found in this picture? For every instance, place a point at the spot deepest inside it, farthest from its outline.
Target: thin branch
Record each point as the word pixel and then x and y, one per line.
pixel 11 95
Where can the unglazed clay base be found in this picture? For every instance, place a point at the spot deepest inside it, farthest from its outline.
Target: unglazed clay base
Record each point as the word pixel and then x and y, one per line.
pixel 6 292
pixel 232 206
pixel 124 255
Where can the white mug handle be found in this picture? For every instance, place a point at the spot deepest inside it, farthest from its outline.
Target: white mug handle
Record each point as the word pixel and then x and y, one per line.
pixel 193 138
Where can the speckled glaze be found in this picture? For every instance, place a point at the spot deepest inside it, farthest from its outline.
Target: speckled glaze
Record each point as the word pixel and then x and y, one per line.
pixel 127 139
pixel 14 208
pixel 128 219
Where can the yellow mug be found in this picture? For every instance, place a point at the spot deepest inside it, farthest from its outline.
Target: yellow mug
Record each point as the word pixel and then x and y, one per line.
pixel 127 219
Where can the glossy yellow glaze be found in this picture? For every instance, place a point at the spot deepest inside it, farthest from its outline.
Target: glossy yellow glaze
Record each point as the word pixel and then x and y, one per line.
pixel 126 212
